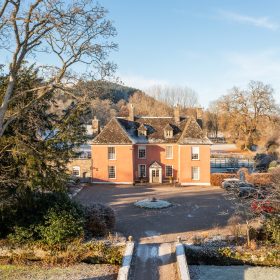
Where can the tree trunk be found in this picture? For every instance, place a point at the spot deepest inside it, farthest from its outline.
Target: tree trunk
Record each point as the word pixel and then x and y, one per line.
pixel 5 102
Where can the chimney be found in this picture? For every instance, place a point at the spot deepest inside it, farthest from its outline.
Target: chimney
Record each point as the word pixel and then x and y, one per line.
pixel 131 112
pixel 95 125
pixel 177 114
pixel 199 115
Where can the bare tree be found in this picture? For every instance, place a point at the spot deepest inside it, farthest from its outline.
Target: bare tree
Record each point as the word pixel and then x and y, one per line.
pixel 73 33
pixel 212 120
pixel 184 96
pixel 245 110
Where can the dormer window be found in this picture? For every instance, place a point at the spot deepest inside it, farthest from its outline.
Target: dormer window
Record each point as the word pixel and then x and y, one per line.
pixel 142 130
pixel 168 131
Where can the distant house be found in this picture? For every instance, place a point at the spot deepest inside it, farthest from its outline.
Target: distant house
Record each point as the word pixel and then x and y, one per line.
pixel 153 149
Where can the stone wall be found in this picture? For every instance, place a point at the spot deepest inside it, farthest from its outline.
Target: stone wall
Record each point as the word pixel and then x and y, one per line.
pixel 85 166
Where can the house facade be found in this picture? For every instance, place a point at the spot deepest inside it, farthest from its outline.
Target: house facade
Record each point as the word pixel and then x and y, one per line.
pixel 151 149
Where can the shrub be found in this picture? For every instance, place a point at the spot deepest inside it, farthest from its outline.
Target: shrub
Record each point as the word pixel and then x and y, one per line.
pixel 60 227
pixel 235 228
pixel 217 178
pixel 272 229
pixel 273 164
pixel 50 218
pixel 22 235
pixel 99 219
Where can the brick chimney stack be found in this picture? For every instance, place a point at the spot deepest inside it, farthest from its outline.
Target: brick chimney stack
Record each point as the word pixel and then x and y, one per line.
pixel 131 112
pixel 177 116
pixel 95 125
pixel 199 115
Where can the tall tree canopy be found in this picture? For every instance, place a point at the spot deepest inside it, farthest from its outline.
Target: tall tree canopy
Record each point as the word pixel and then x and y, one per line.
pixel 246 113
pixel 71 33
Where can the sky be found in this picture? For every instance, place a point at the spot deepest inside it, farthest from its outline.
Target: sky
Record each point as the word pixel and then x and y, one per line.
pixel 207 45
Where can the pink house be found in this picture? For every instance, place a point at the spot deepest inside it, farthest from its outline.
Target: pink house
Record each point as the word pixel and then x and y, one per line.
pixel 153 149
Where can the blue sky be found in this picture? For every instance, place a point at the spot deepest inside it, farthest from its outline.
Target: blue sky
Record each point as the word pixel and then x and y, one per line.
pixel 208 45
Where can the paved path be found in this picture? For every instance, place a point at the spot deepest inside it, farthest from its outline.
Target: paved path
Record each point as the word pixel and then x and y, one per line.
pixel 212 272
pixel 154 261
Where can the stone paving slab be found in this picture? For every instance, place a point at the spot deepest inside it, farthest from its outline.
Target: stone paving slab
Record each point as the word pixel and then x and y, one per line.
pixel 212 272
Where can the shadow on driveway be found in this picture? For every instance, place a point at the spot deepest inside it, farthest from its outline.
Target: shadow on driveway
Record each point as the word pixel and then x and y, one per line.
pixel 194 208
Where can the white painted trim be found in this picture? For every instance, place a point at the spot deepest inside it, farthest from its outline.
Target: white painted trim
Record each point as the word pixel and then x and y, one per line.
pixel 141 146
pixel 166 152
pixel 198 168
pixel 77 168
pixel 115 172
pixel 112 146
pixel 172 170
pixel 151 172
pixel 195 184
pixel 193 153
pixel 112 183
pixel 139 170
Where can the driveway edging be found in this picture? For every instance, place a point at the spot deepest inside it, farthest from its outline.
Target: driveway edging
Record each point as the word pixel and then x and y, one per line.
pixel 182 264
pixel 126 261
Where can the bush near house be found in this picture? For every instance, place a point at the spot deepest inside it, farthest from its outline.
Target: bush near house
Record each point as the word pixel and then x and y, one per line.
pixel 99 219
pixel 218 178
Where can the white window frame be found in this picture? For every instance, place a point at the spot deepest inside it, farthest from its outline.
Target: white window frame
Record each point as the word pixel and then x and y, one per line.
pixel 115 154
pixel 139 170
pixel 166 156
pixel 142 148
pixel 198 173
pixel 168 134
pixel 166 170
pixel 197 152
pixel 115 170
pixel 76 168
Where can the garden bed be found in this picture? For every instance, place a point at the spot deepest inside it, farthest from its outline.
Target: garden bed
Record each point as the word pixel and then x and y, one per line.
pixel 91 252
pixel 225 253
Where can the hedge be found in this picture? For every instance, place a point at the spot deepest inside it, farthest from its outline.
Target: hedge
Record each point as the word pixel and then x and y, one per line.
pixel 217 178
pixel 257 179
pixel 260 179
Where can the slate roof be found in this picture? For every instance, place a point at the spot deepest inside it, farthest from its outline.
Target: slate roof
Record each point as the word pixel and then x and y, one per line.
pixel 123 131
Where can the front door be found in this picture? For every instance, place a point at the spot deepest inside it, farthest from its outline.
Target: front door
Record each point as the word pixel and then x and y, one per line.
pixel 155 176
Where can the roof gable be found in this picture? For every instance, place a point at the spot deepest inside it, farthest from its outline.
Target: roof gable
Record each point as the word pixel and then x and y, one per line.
pixel 112 133
pixel 193 134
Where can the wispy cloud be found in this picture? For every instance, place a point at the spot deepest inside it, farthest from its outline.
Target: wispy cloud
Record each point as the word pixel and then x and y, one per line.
pixel 263 22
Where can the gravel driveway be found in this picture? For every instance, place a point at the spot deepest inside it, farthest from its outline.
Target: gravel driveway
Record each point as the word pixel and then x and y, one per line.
pixel 194 208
